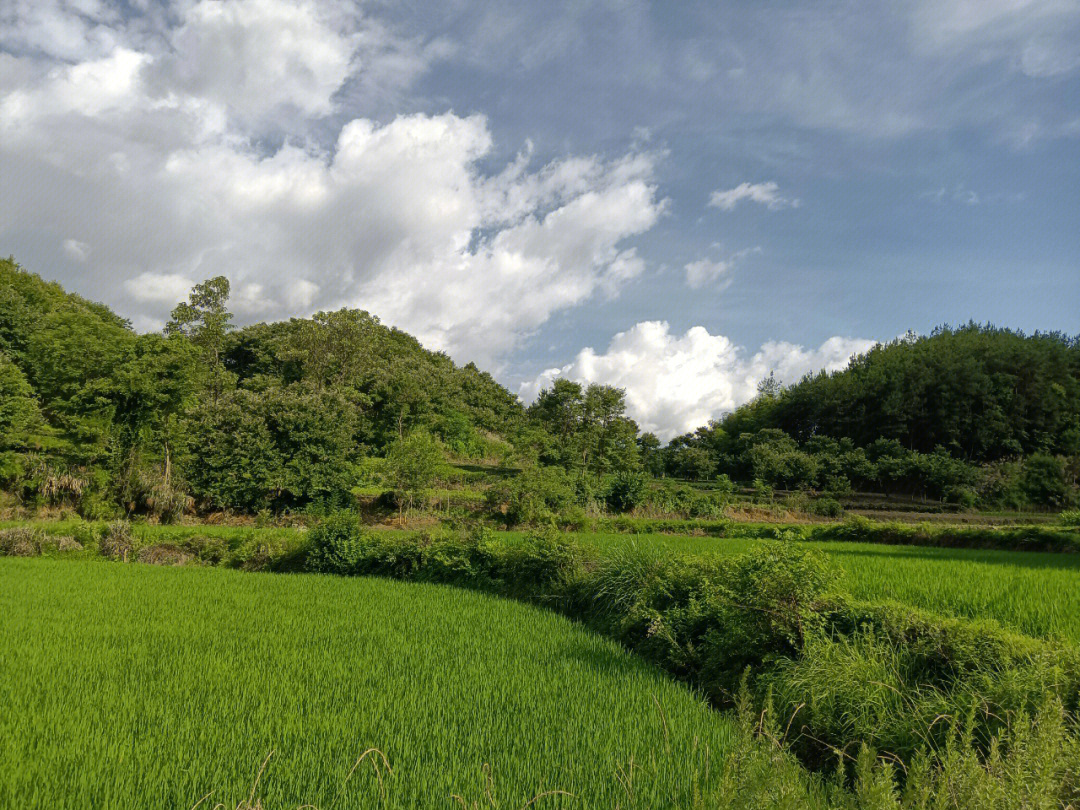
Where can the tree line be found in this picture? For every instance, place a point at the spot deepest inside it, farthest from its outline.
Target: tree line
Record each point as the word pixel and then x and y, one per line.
pixel 293 415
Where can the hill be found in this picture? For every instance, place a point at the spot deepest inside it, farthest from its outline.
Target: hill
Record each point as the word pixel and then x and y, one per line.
pixel 267 416
pixel 975 414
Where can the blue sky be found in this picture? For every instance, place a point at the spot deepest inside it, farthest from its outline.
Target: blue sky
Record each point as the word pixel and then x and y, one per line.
pixel 529 184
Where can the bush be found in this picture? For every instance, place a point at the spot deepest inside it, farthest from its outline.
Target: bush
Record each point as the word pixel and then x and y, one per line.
pixel 962 496
pixel 164 554
pixel 22 541
pixel 337 546
pixel 1070 518
pixel 826 507
pixel 625 491
pixel 117 541
pixel 67 543
pixel 536 495
pixel 212 550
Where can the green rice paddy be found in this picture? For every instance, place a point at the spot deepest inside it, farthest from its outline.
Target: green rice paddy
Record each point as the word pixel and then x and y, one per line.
pixel 135 686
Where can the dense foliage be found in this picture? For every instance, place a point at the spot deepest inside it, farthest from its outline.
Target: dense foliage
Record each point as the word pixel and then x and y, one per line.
pixel 270 416
pixel 289 416
pixel 976 415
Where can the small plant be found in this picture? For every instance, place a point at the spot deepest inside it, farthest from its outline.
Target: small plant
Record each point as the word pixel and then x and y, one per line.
pixel 1070 518
pixel 117 542
pixel 826 507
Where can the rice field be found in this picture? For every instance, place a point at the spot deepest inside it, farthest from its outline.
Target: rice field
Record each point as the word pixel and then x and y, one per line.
pixel 1032 592
pixel 135 686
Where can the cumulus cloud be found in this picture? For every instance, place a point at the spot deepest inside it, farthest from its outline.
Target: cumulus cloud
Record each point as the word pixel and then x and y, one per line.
pixel 155 161
pixel 257 58
pixel 767 194
pixel 675 383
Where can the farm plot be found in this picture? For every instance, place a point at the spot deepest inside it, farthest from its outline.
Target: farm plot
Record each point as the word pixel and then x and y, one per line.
pixel 135 686
pixel 1033 592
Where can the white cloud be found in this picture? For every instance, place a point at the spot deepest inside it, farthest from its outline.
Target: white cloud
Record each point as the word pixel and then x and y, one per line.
pixel 159 288
pixel 705 271
pixel 1035 37
pixel 257 58
pixel 79 251
pixel 158 155
pixel 962 195
pixel 715 272
pixel 675 383
pixel 767 194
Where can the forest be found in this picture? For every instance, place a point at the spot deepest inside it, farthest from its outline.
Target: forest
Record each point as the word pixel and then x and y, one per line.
pixel 300 414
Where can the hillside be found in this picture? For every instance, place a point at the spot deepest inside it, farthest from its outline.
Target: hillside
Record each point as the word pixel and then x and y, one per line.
pixel 299 414
pixel 973 415
pixel 267 416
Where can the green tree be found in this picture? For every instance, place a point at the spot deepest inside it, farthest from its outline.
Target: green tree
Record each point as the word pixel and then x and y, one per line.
pixel 205 320
pixel 414 462
pixel 19 413
pixel 651 454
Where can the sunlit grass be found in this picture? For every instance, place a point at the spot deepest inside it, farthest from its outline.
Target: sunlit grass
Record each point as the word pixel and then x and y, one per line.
pixel 134 686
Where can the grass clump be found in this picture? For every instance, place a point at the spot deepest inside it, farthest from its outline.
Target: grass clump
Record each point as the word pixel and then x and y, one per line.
pixel 117 541
pixel 22 541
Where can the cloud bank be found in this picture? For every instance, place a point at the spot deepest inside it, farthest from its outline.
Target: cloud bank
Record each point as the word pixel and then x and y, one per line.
pixel 675 383
pixel 215 148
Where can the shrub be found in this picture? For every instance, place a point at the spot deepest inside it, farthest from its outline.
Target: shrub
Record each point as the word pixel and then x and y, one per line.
pixel 164 554
pixel 826 507
pixel 763 493
pixel 625 491
pixel 706 505
pixel 22 541
pixel 117 541
pixel 337 545
pixel 545 559
pixel 575 518
pixel 68 543
pixel 962 496
pixel 212 550
pixel 1070 518
pixel 537 495
pixel 777 585
pixel 84 535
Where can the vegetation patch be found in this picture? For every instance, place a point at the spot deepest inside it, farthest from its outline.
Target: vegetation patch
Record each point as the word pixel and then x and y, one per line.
pixel 770 613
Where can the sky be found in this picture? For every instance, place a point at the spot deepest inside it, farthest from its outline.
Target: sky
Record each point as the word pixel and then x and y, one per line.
pixel 675 198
